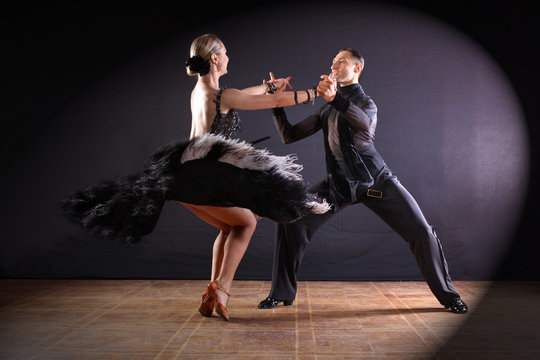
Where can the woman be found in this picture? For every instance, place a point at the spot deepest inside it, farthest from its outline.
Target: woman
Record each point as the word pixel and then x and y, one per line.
pixel 223 181
pixel 212 111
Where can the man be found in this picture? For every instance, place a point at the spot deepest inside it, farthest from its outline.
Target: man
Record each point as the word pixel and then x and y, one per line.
pixel 355 173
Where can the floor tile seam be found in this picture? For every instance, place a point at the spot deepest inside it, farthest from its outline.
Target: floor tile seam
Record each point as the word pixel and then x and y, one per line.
pixel 36 356
pixel 358 328
pixel 120 328
pixel 428 327
pixel 71 329
pixel 251 352
pixel 176 334
pixel 296 335
pixel 258 352
pixel 75 328
pixel 57 308
pixel 372 351
pixel 86 321
pixel 315 354
pixel 101 351
pixel 264 329
pixel 304 354
pixel 35 297
pixel 372 284
pixel 103 310
pixel 312 329
pixel 179 352
pixel 126 297
pixel 428 346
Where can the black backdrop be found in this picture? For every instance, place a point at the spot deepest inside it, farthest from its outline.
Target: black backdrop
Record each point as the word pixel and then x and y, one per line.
pixel 90 91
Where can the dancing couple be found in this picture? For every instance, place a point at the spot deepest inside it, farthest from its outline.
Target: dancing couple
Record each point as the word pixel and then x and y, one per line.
pixel 229 183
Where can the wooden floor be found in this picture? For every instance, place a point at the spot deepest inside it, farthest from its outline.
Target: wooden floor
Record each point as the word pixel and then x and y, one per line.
pixel 158 319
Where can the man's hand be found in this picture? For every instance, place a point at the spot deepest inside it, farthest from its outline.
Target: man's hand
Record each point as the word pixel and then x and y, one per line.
pixel 327 87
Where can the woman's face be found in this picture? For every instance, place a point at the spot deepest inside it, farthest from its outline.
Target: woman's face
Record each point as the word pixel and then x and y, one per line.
pixel 222 60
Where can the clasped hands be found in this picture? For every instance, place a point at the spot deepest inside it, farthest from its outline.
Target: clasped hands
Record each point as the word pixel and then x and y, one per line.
pixel 327 87
pixel 280 83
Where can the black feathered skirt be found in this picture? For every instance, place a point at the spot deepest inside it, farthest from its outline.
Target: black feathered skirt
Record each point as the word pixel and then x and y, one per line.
pixel 207 170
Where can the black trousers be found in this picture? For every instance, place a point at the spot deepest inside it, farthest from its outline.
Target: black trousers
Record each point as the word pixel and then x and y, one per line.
pixel 397 208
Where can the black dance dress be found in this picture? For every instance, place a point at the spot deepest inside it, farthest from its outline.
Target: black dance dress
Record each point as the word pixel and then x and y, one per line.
pixel 209 170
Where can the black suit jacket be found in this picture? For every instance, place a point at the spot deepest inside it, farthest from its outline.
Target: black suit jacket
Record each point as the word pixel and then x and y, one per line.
pixel 357 118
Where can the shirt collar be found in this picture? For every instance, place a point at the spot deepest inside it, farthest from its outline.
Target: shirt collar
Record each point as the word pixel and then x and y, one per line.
pixel 350 89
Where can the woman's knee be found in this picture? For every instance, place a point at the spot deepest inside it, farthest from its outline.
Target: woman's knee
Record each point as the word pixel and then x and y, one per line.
pixel 248 224
pixel 251 222
pixel 225 231
pixel 243 218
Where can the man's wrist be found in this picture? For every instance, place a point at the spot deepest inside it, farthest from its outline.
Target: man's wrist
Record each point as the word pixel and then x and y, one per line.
pixel 330 99
pixel 340 103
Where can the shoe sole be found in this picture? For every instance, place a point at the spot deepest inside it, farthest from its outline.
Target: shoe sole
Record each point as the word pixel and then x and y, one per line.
pixel 221 315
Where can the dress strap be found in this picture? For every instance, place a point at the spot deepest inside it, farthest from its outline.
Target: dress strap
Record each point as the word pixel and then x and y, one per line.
pixel 218 101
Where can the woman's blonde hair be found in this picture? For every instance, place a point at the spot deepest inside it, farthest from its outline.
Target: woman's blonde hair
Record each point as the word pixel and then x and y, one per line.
pixel 204 46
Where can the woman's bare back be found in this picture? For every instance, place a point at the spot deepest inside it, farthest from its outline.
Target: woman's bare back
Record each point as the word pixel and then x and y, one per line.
pixel 203 109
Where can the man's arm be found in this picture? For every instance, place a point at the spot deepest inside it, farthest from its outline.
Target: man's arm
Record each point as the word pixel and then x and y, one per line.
pixel 291 133
pixel 359 117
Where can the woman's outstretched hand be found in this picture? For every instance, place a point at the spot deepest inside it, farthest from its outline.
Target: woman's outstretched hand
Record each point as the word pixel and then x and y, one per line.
pixel 280 84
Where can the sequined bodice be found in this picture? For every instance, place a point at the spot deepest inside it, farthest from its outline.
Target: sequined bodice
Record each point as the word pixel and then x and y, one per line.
pixel 225 124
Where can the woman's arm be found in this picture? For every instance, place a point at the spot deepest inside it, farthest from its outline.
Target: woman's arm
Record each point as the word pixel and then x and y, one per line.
pixel 239 100
pixel 256 90
pixel 269 87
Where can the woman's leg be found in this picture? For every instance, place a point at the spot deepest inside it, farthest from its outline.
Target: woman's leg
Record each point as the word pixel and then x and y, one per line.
pixel 242 224
pixel 219 243
pixel 218 252
pixel 239 224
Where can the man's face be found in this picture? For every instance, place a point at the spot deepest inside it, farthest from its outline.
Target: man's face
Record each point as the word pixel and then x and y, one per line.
pixel 344 69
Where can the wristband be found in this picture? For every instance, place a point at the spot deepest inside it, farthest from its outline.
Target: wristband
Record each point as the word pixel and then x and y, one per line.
pixel 308 97
pixel 271 88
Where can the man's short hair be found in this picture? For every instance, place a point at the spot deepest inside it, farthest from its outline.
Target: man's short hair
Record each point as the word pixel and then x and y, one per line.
pixel 355 55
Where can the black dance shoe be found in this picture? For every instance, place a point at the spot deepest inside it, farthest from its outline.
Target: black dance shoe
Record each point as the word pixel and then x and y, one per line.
pixel 270 303
pixel 457 306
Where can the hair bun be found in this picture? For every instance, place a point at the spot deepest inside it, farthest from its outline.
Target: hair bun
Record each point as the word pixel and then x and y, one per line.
pixel 199 65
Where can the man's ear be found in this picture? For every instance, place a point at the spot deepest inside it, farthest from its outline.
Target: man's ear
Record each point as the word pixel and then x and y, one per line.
pixel 358 68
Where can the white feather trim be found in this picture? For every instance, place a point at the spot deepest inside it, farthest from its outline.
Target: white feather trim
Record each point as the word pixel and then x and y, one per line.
pixel 319 208
pixel 243 155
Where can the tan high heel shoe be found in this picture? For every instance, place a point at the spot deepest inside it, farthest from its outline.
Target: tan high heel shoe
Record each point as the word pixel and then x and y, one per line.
pixel 221 309
pixel 208 301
